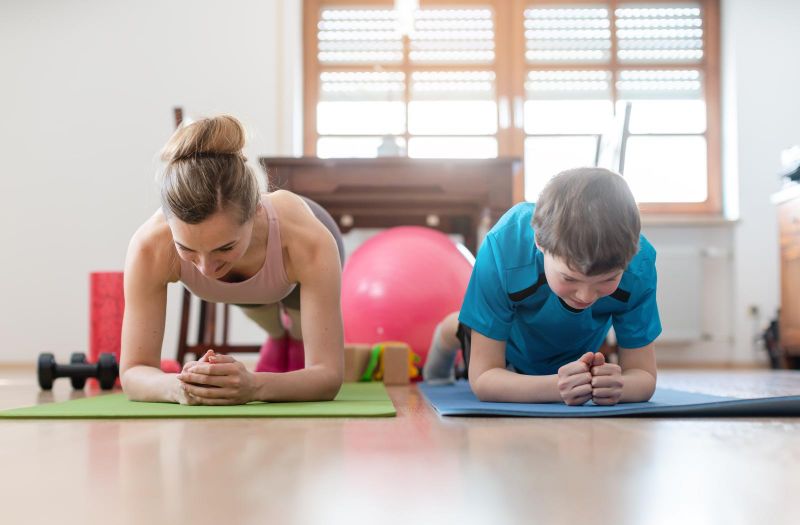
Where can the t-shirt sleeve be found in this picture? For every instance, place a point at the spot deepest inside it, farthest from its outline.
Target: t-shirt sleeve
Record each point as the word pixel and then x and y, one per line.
pixel 640 325
pixel 487 307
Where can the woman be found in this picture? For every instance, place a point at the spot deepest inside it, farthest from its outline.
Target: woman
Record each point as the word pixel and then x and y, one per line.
pixel 227 242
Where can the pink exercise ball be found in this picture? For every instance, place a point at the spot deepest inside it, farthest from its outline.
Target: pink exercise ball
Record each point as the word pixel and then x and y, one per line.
pixel 399 284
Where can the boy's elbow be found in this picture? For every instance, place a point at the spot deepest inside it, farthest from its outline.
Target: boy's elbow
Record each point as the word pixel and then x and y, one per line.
pixel 645 397
pixel 479 388
pixel 643 389
pixel 650 386
pixel 650 391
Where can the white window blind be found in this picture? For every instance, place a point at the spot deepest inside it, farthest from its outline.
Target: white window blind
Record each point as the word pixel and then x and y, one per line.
pixel 438 101
pixel 567 34
pixel 358 36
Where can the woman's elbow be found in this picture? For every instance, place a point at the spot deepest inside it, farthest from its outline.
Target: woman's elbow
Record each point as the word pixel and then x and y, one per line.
pixel 133 379
pixel 330 385
pixel 129 383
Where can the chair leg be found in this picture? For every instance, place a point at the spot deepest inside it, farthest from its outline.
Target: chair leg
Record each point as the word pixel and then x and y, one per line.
pixel 225 314
pixel 211 325
pixel 201 330
pixel 183 344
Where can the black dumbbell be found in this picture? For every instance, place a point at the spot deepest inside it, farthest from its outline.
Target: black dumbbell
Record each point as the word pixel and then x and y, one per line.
pixel 78 370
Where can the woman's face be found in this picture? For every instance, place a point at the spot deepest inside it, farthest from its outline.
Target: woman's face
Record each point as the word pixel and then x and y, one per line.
pixel 576 289
pixel 214 245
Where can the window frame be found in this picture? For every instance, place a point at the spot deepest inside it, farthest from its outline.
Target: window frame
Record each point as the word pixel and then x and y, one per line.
pixel 511 69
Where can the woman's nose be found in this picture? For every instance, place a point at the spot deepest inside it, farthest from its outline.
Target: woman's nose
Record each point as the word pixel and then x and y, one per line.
pixel 206 266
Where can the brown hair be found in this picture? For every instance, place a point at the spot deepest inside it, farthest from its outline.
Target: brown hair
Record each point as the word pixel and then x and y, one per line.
pixel 588 218
pixel 206 172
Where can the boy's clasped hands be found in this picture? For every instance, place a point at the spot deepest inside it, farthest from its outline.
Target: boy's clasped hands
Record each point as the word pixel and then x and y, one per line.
pixel 590 377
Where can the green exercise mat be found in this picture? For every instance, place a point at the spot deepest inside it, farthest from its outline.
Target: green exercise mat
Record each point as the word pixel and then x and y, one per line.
pixel 354 400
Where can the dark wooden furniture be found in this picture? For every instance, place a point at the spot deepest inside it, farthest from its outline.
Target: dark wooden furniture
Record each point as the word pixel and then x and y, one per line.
pixel 451 195
pixel 788 203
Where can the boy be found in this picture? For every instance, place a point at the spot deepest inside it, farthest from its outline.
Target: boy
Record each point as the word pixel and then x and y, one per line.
pixel 549 281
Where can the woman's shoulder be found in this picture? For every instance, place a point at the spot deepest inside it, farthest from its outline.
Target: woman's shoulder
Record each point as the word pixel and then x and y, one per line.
pixel 294 214
pixel 286 203
pixel 152 249
pixel 304 236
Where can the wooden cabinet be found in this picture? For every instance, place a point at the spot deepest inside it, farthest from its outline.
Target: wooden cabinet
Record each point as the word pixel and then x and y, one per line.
pixel 788 202
pixel 452 195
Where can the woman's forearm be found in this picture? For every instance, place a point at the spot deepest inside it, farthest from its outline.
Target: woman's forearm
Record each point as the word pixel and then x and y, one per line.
pixel 146 383
pixel 500 385
pixel 315 383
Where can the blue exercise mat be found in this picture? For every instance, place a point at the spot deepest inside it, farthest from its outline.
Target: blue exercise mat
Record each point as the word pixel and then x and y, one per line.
pixel 458 400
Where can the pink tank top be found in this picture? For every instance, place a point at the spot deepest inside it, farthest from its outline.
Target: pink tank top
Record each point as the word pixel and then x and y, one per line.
pixel 268 286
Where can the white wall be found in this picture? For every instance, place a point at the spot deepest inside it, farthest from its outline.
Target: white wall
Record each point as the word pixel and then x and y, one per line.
pixel 86 101
pixel 760 115
pixel 760 44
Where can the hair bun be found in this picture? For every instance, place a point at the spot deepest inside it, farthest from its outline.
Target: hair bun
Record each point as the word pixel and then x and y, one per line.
pixel 220 135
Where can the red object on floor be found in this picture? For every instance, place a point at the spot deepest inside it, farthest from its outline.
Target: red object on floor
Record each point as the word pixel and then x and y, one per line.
pixel 273 356
pixel 107 305
pixel 170 366
pixel 296 355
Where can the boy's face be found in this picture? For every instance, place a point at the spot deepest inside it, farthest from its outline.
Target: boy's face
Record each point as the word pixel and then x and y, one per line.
pixel 576 289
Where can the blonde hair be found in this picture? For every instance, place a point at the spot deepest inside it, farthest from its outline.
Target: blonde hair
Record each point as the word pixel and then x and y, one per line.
pixel 588 217
pixel 207 172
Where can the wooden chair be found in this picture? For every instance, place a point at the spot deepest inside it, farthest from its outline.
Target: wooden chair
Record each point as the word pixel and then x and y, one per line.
pixel 207 321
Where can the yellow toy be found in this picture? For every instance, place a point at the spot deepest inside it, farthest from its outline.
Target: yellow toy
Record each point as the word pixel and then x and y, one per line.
pixel 393 362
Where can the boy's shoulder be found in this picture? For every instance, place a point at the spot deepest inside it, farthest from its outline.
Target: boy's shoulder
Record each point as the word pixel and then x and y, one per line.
pixel 641 271
pixel 645 258
pixel 512 236
pixel 518 215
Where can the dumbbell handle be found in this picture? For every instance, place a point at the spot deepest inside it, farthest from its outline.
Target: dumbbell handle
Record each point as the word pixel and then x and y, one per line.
pixel 77 370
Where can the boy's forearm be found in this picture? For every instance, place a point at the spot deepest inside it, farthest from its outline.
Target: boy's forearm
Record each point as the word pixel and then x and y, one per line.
pixel 500 385
pixel 638 386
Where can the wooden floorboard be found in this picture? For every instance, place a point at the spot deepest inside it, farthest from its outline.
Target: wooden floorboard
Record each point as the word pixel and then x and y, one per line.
pixel 413 469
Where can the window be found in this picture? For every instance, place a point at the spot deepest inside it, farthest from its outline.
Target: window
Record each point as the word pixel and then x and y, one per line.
pixel 430 93
pixel 632 86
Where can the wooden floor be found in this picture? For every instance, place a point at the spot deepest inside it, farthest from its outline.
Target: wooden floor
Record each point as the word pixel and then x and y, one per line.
pixel 416 468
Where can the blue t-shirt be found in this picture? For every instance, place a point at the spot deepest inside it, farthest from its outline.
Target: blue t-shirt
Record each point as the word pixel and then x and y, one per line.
pixel 508 299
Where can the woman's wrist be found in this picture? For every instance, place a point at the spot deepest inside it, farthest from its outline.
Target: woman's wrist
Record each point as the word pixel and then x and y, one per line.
pixel 176 388
pixel 260 386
